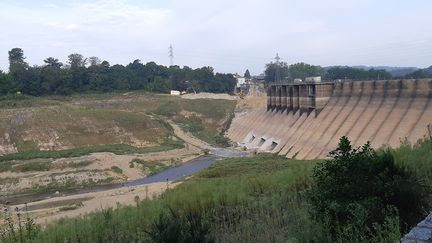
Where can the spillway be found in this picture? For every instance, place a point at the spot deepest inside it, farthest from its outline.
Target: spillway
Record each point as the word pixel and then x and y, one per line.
pixel 306 120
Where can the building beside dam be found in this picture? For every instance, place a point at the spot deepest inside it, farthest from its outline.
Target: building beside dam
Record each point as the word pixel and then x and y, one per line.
pixel 305 120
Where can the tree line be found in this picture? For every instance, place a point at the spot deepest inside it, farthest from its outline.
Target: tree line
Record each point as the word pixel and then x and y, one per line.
pixel 282 72
pixel 82 74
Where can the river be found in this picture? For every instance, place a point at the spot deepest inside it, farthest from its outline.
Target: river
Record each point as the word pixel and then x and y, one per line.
pixel 171 174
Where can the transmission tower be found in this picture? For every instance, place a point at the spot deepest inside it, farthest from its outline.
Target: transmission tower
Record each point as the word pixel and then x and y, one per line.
pixel 171 55
pixel 277 74
pixel 277 58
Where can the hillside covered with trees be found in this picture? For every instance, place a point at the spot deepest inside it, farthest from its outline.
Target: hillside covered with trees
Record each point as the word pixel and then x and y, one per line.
pixel 82 74
pixel 282 72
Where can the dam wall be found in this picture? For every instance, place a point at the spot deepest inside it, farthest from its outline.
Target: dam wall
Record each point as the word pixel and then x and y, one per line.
pixel 306 120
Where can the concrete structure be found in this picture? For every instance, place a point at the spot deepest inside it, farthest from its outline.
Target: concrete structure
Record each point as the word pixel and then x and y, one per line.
pixel 316 79
pixel 302 97
pixel 175 92
pixel 305 120
pixel 240 80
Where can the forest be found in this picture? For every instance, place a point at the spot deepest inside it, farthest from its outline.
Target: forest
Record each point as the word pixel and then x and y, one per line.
pixel 81 74
pixel 282 72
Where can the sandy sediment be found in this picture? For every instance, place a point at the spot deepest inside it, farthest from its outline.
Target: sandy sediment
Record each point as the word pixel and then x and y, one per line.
pixel 48 210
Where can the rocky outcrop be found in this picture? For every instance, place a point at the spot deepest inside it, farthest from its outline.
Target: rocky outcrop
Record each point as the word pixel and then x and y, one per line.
pixel 422 233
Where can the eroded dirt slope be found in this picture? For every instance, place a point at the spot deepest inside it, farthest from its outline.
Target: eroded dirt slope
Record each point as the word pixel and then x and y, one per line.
pixel 137 119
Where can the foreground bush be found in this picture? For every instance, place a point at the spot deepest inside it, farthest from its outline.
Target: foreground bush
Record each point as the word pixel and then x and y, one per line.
pixel 180 227
pixel 362 194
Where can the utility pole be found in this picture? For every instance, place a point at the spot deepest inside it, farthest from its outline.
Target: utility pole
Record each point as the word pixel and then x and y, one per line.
pixel 171 55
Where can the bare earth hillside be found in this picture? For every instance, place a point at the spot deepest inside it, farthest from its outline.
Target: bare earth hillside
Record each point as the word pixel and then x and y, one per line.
pixel 135 119
pixel 60 143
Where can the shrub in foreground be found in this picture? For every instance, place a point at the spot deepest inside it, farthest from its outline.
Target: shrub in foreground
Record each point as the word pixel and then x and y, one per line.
pixel 363 194
pixel 180 227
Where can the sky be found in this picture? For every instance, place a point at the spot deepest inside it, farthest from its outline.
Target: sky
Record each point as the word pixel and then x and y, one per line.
pixel 229 35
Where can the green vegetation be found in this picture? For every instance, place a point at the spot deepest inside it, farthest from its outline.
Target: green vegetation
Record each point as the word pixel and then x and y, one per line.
pixel 416 158
pixel 64 185
pixel 281 71
pixel 39 165
pixel 20 100
pixel 351 73
pixel 92 121
pixel 31 166
pixel 206 119
pixel 149 167
pixel 80 164
pixel 264 199
pixel 421 73
pixel 5 166
pixel 361 194
pixel 76 152
pixel 8 180
pixel 83 75
pixel 206 108
pixel 116 169
pixel 246 199
pixel 71 206
pixel 53 186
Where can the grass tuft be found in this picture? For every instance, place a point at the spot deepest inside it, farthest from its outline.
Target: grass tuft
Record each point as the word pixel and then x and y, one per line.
pixel 77 152
pixel 116 169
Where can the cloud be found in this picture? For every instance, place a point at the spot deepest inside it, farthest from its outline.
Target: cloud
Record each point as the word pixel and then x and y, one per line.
pixel 229 35
pixel 50 5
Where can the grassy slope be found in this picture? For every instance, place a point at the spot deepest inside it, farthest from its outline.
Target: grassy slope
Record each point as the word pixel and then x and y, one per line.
pixel 96 120
pixel 204 118
pixel 263 193
pixel 76 152
pixel 259 199
pixel 417 158
pixel 52 124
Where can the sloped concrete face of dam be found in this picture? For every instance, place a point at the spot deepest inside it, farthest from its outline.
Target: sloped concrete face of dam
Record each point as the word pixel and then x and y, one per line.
pixel 305 121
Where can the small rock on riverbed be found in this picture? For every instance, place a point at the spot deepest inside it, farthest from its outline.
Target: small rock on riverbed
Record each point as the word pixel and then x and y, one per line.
pixel 422 233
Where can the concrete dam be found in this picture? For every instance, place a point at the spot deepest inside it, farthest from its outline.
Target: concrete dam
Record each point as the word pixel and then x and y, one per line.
pixel 306 120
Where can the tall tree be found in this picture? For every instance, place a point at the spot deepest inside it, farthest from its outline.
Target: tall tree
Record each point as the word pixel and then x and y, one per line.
pixel 346 72
pixel 53 62
pixel 76 60
pixel 100 76
pixel 105 64
pixel 16 60
pixel 302 70
pixel 6 84
pixel 247 74
pixel 421 73
pixel 94 61
pixel 276 72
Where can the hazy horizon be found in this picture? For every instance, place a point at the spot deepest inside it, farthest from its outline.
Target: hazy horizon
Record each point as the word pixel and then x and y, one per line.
pixel 229 36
